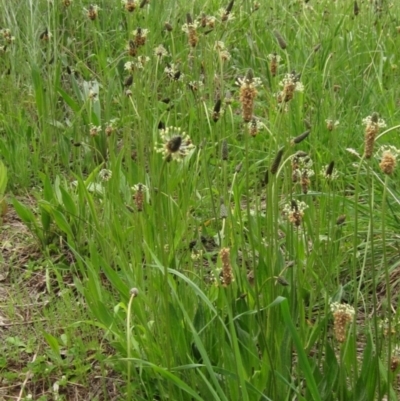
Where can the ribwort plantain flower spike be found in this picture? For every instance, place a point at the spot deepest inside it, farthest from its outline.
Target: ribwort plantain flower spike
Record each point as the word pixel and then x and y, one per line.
pixel 226 13
pixel 140 36
pixel 290 83
pixel 190 28
pixel 176 145
pixel 248 94
pixel 225 150
pixel 388 161
pixel 130 5
pixel 92 12
pixel 281 41
pixel 274 60
pixel 343 314
pixel 372 126
pixel 300 137
pixel 227 274
pixel 277 161
pixel 294 211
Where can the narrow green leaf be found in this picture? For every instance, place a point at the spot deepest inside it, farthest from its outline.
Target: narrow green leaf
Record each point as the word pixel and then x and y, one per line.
pixel 312 386
pixel 3 179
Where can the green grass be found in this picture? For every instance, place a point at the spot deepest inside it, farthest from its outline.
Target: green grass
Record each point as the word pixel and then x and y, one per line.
pixel 130 241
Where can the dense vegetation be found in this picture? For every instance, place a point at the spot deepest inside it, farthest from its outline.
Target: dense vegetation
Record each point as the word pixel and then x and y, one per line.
pixel 199 200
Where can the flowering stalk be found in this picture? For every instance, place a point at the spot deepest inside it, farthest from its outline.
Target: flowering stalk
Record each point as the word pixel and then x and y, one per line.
pixel 176 145
pixel 227 275
pixel 294 211
pixel 372 126
pixel 273 65
pixel 190 29
pixel 290 83
pixel 343 314
pixel 248 93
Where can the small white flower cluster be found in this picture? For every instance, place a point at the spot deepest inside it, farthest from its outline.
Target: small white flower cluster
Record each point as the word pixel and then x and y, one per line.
pixel 192 26
pixel 111 126
pixel 129 66
pixel 219 46
pixel 385 149
pixel 299 207
pixel 249 83
pixel 331 124
pixel 274 57
pixel 255 125
pixel 226 16
pixel 333 176
pixel 142 61
pixel 196 255
pixel 6 39
pixel 195 85
pixel 342 308
pixel 160 51
pixel 294 212
pixel 94 130
pixel 92 11
pixel 130 4
pixel 304 166
pixel 291 80
pixel 368 121
pixel 140 32
pixel 173 73
pixel 140 187
pixel 105 175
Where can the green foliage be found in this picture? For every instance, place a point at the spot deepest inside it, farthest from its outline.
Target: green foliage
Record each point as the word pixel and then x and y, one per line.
pixel 81 131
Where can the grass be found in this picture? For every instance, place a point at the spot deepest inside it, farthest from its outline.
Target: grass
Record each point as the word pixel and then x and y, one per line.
pixel 211 222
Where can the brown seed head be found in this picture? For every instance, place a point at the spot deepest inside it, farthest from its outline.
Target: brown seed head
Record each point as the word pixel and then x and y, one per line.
pixel 92 12
pixel 138 198
pixel 305 182
pixel 273 65
pixel 130 5
pixel 253 126
pixel 342 315
pixel 388 162
pixel 340 325
pixel 227 274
